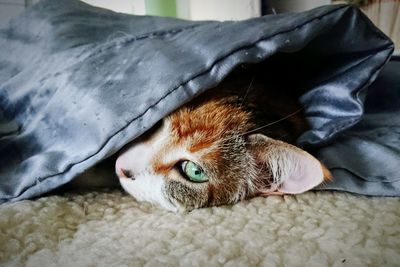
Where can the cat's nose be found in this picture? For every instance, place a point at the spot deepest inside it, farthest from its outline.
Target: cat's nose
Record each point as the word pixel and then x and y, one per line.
pixel 121 171
pixel 126 173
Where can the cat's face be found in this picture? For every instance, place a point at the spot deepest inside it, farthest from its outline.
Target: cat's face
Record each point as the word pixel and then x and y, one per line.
pixel 201 156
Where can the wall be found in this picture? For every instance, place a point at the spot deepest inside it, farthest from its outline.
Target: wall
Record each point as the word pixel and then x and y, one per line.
pixel 123 6
pixel 190 9
pixel 10 9
pixel 218 9
pixel 281 6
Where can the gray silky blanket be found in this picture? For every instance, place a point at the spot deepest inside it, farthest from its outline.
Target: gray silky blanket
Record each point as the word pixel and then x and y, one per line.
pixel 77 83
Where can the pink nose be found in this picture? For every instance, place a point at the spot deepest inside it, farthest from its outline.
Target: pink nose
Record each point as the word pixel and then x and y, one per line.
pixel 126 173
pixel 121 170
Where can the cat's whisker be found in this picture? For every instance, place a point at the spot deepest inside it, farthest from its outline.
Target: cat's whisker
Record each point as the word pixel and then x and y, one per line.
pixel 247 91
pixel 244 97
pixel 237 135
pixel 274 122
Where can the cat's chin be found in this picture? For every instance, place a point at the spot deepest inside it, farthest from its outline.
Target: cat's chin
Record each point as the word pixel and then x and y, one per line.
pixel 149 190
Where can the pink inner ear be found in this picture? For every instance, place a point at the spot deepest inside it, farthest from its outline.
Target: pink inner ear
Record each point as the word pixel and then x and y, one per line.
pixel 305 173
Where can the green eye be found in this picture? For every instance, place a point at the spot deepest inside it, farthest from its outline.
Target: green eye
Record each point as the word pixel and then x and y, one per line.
pixel 193 172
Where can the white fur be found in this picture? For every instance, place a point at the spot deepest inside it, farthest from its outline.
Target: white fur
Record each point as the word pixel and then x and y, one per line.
pixel 148 187
pixel 139 156
pixel 146 184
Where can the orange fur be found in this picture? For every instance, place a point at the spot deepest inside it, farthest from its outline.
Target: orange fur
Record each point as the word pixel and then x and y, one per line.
pixel 162 168
pixel 206 124
pixel 327 174
pixel 212 156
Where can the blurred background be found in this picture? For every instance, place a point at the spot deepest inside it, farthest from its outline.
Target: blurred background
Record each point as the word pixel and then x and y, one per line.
pixel 384 13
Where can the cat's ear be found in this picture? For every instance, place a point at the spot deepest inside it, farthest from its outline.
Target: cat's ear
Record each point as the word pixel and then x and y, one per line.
pixel 283 168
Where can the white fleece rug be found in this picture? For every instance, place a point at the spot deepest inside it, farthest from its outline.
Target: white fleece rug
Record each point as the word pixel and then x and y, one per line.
pixel 111 229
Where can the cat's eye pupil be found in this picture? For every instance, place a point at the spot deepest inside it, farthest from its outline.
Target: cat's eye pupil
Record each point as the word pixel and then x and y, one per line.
pixel 193 172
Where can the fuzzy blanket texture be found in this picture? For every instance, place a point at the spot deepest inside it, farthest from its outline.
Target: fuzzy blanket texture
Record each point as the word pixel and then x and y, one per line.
pixel 109 228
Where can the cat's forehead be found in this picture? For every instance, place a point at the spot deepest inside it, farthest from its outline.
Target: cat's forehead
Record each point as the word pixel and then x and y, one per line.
pixel 205 124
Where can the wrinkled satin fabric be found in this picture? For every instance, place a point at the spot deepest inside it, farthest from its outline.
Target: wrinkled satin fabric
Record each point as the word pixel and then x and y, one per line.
pixel 365 159
pixel 77 83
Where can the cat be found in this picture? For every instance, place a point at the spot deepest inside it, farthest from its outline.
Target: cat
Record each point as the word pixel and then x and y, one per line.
pixel 234 142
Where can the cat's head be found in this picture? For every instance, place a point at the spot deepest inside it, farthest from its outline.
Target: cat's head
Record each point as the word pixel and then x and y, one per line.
pixel 202 156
